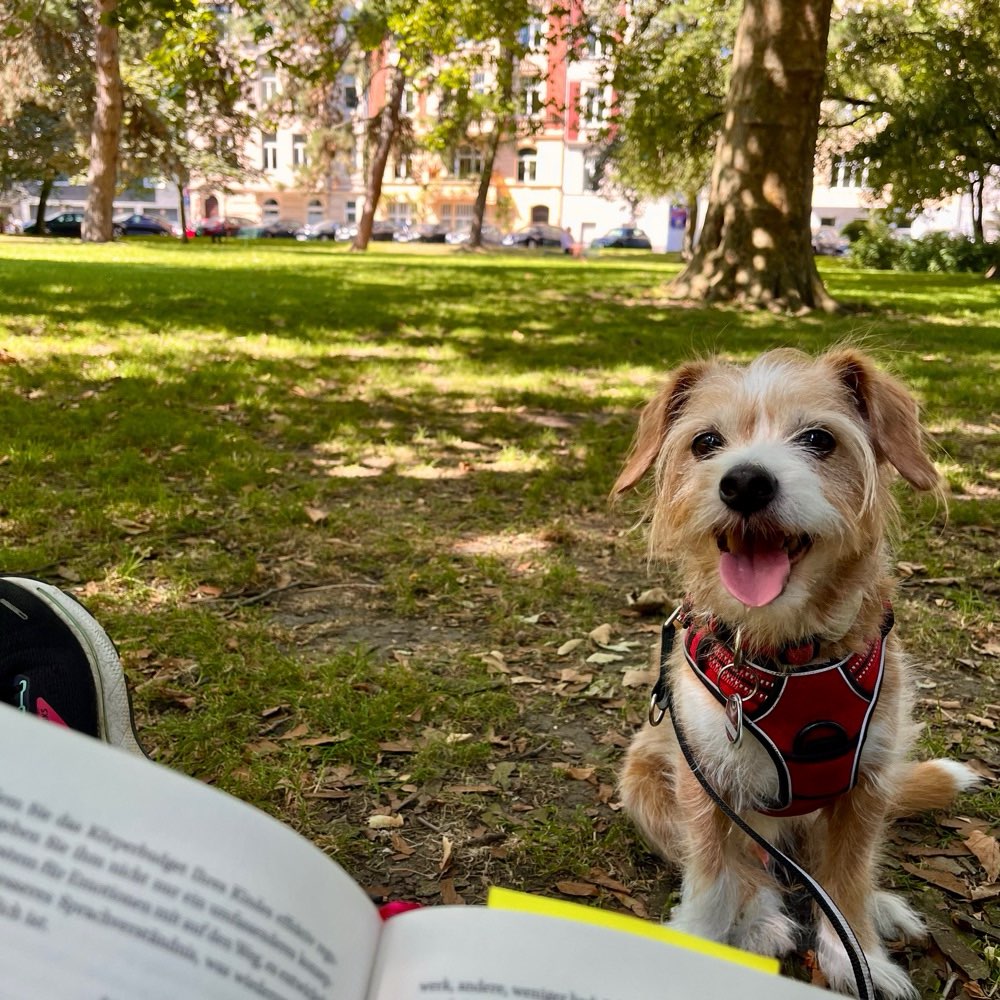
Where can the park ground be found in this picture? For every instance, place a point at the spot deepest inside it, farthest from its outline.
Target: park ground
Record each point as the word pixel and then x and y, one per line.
pixel 346 518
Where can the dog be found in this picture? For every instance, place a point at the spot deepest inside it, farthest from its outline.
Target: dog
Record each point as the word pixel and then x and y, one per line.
pixel 771 495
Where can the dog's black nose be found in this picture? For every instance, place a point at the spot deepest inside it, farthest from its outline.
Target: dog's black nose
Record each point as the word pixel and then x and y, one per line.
pixel 748 488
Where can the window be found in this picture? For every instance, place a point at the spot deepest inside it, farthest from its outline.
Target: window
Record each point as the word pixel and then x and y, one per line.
pixel 314 211
pixel 299 156
pixel 351 212
pixel 271 211
pixel 401 169
pixel 463 214
pixel 479 82
pixel 527 165
pixel 539 213
pixel 268 86
pixel 591 170
pixel 400 212
pixel 532 35
pixel 269 144
pixel 531 97
pixel 594 46
pixel 444 215
pixel 847 173
pixel 468 162
pixel 593 107
pixel 409 101
pixel 350 92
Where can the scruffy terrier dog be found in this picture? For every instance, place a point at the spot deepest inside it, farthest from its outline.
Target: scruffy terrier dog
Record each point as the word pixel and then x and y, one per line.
pixel 771 495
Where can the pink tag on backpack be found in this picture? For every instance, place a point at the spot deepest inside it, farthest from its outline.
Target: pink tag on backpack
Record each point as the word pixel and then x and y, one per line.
pixel 46 711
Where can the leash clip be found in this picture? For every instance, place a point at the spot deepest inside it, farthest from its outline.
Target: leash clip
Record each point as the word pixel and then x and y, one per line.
pixel 659 701
pixel 734 703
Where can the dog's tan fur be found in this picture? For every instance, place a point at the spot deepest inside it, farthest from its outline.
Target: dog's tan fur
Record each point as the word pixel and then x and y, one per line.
pixel 837 591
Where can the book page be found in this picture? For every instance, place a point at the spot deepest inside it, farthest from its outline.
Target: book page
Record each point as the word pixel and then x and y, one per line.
pixel 120 879
pixel 469 953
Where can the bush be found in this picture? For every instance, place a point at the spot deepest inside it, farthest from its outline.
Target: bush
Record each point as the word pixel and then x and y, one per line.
pixel 937 252
pixel 855 229
pixel 876 248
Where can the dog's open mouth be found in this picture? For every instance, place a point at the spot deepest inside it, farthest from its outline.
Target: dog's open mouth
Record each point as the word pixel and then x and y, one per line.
pixel 754 566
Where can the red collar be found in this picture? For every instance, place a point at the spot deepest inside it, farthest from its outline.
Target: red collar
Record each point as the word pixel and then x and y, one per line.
pixel 812 719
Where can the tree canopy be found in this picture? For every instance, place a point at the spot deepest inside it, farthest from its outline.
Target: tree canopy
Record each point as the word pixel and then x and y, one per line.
pixel 918 98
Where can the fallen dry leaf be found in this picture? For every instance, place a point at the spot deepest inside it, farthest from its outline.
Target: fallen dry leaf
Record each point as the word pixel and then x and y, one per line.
pixel 380 822
pixel 583 889
pixel 601 635
pixel 449 894
pixel 472 789
pixel 567 647
pixel 604 658
pixel 400 845
pixel 638 678
pixel 987 850
pixel 447 846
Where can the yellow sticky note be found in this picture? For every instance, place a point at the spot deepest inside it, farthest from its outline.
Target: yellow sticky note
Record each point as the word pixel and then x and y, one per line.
pixel 509 899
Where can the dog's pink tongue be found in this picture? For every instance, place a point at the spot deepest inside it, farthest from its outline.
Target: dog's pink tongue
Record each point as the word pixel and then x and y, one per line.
pixel 757 577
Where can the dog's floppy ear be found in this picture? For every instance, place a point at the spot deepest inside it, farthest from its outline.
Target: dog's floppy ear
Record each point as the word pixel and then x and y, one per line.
pixel 654 421
pixel 890 414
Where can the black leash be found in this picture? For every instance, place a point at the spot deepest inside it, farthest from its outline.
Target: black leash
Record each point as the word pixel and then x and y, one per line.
pixel 659 705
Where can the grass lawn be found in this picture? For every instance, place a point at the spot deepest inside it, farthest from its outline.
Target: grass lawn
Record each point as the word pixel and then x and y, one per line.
pixel 342 514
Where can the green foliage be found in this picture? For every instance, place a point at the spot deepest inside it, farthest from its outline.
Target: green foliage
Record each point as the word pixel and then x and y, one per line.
pixel 920 80
pixel 38 144
pixel 879 248
pixel 672 72
pixel 854 229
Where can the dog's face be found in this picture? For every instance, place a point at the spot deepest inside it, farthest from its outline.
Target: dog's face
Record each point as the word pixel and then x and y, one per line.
pixel 771 484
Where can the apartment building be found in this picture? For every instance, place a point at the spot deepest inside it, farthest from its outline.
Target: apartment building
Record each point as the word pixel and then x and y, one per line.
pixel 547 173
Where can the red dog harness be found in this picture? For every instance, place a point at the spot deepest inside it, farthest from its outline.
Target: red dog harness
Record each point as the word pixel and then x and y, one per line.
pixel 812 720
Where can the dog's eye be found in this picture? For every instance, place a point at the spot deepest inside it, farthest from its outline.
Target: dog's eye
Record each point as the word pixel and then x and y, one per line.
pixel 818 441
pixel 705 443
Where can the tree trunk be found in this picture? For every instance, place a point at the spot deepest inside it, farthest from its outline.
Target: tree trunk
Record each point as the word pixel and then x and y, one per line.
pixel 43 205
pixel 181 211
pixel 690 225
pixel 501 120
pixel 976 190
pixel 755 247
pixel 106 128
pixel 479 209
pixel 388 128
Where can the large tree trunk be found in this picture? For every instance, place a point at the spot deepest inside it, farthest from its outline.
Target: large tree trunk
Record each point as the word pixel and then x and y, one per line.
pixel 976 191
pixel 505 79
pixel 181 210
pixel 479 209
pixel 388 128
pixel 106 128
pixel 690 225
pixel 755 247
pixel 43 205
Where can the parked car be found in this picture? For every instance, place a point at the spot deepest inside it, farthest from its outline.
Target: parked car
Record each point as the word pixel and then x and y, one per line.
pixel 828 242
pixel 489 235
pixel 282 229
pixel 217 225
pixel 66 224
pixel 429 232
pixel 325 230
pixel 624 238
pixel 146 225
pixel 537 235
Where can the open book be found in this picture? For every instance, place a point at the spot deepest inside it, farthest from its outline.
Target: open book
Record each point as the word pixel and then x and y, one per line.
pixel 120 879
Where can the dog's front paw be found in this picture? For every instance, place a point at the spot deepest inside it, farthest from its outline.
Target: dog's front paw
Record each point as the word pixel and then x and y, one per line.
pixel 891 982
pixel 895 919
pixel 763 926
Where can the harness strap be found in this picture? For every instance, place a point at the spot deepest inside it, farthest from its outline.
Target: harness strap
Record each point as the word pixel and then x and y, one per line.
pixel 660 703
